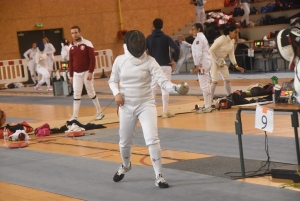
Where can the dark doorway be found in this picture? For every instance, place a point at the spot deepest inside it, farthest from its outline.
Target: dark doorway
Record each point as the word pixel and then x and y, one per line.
pixel 26 38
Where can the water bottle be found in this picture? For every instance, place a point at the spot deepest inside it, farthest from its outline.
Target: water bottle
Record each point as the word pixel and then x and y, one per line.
pixel 5 136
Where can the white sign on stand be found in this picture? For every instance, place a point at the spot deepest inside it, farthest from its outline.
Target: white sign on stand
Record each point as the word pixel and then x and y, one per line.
pixel 250 52
pixel 264 118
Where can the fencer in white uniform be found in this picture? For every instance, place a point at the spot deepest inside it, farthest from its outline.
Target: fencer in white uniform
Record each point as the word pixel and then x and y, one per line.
pixel 65 53
pixel 65 48
pixel 202 63
pixel 199 10
pixel 130 82
pixel 30 56
pixel 246 6
pixel 49 50
pixel 223 46
pixel 186 54
pixel 295 61
pixel 42 67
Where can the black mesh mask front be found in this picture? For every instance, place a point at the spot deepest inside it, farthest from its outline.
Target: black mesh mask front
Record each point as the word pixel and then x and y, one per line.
pixel 135 42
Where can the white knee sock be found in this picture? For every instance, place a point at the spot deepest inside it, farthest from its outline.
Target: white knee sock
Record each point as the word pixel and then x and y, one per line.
pixel 125 154
pixel 227 86
pixel 76 105
pixel 97 104
pixel 165 101
pixel 212 89
pixel 155 155
pixel 207 97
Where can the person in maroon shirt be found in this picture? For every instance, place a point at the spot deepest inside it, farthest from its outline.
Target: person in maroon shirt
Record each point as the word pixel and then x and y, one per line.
pixel 82 64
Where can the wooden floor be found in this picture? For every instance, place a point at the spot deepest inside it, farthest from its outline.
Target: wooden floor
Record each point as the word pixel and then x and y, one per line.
pixel 222 121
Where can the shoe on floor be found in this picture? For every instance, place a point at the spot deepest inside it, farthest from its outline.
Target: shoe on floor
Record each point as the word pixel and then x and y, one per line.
pixel 121 173
pixel 99 116
pixel 167 115
pixel 204 110
pixel 49 89
pixel 38 88
pixel 161 182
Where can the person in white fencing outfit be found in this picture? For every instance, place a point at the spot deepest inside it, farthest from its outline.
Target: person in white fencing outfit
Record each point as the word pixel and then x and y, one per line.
pixel 294 36
pixel 223 46
pixel 186 54
pixel 82 64
pixel 202 63
pixel 130 82
pixel 245 19
pixel 199 10
pixel 65 48
pixel 30 56
pixel 42 67
pixel 49 50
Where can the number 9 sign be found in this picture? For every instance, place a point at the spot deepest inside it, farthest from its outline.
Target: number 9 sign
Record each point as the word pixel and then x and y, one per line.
pixel 264 118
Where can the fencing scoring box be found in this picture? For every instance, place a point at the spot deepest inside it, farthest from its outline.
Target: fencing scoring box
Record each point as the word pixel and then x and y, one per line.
pixel 64 65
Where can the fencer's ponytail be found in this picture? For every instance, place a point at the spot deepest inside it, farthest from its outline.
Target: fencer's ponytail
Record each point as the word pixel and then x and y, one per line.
pixel 228 29
pixel 198 26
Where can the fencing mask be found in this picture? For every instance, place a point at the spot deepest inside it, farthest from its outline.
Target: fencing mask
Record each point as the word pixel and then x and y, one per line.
pixel 135 42
pixel 284 46
pixel 182 88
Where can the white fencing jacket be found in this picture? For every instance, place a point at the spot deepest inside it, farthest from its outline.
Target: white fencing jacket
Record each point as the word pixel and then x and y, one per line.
pixel 31 52
pixel 65 52
pixel 222 47
pixel 49 50
pixel 135 75
pixel 41 59
pixel 200 49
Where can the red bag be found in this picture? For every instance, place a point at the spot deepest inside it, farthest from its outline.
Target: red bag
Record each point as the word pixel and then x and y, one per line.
pixel 28 128
pixel 43 130
pixel 228 3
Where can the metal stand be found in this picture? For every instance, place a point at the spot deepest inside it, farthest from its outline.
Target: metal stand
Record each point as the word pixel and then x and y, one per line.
pixel 103 74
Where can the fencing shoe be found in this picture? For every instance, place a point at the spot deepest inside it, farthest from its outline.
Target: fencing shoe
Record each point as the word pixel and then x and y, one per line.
pixel 167 115
pixel 121 173
pixel 99 116
pixel 204 110
pixel 38 88
pixel 161 182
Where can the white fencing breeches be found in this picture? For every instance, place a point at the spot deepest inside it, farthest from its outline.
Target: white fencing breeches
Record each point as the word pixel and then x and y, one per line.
pixel 45 76
pixel 204 82
pixel 200 14
pixel 215 70
pixel 78 80
pixel 165 95
pixel 147 115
